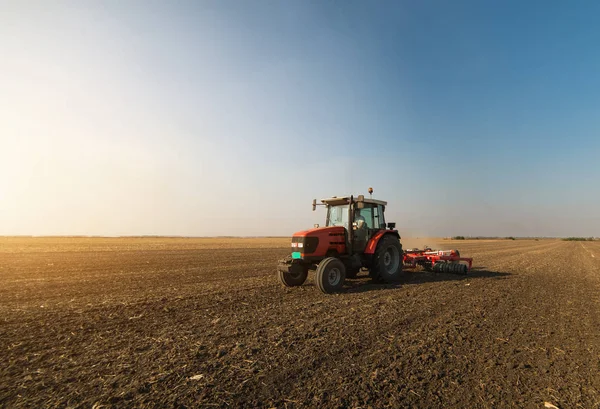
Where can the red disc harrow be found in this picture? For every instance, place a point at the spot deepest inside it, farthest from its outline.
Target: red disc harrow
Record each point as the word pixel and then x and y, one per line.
pixel 439 261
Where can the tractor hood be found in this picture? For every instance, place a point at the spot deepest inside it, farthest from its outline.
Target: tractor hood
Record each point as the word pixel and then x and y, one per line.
pixel 317 243
pixel 321 231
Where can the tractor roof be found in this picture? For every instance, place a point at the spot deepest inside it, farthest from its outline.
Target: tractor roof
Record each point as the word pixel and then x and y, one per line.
pixel 336 201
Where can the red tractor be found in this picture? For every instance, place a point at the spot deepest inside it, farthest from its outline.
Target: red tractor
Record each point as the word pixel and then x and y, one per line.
pixel 355 236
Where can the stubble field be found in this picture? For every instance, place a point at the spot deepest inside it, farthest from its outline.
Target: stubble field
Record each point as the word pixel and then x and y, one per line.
pixel 186 323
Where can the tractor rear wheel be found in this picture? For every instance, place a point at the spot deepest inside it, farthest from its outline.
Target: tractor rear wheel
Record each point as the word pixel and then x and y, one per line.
pixel 330 275
pixel 295 276
pixel 387 260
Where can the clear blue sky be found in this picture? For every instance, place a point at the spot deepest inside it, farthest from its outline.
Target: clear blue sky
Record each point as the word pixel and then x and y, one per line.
pixel 229 117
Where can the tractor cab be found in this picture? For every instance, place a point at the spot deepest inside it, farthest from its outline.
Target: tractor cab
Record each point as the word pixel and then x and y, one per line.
pixel 363 217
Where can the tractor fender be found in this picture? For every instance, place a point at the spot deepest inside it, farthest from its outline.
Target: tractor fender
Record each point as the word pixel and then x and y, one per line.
pixel 374 240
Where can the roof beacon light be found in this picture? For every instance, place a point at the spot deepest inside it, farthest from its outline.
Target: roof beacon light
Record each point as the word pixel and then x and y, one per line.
pixel 371 192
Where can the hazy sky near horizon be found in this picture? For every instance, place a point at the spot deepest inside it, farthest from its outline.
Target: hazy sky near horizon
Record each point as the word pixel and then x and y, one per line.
pixel 229 117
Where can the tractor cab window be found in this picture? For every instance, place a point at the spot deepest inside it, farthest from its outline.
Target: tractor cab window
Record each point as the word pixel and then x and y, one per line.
pixel 378 217
pixel 338 216
pixel 367 214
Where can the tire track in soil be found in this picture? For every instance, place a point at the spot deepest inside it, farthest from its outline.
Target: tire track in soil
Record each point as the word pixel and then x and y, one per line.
pixel 588 250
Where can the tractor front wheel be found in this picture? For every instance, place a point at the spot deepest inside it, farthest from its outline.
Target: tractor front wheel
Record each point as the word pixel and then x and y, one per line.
pixel 294 276
pixel 330 275
pixel 387 260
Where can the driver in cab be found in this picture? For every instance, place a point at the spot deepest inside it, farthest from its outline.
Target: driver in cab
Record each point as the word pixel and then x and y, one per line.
pixel 361 231
pixel 359 219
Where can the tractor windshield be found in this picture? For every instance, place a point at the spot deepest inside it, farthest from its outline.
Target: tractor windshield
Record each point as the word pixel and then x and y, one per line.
pixel 338 216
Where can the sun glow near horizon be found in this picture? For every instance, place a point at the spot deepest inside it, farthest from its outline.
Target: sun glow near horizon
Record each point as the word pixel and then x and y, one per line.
pixel 221 118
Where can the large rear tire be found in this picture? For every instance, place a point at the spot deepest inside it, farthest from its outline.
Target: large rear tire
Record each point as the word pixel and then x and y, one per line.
pixel 295 276
pixel 387 260
pixel 330 275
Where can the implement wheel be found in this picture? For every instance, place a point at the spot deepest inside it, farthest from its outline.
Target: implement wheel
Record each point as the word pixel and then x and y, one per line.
pixel 294 276
pixel 330 275
pixel 387 260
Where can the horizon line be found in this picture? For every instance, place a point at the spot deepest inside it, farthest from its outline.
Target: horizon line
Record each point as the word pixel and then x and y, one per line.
pixel 267 236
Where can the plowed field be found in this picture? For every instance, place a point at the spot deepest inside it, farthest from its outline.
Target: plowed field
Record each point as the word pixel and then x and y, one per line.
pixel 187 323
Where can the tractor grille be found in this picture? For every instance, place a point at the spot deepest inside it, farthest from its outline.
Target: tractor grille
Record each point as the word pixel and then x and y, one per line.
pixel 306 245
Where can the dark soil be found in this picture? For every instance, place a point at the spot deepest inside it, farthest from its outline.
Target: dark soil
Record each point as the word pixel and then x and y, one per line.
pixel 179 324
